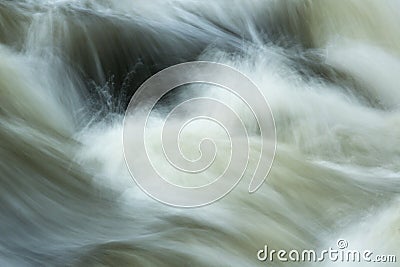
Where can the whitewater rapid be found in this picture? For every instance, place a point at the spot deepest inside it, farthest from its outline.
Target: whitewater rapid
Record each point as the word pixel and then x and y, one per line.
pixel 68 69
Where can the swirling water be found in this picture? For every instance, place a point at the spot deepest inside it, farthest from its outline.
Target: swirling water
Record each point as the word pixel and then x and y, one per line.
pixel 329 70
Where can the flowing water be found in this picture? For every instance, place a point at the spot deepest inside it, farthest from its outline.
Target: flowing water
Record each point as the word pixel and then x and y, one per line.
pixel 329 69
